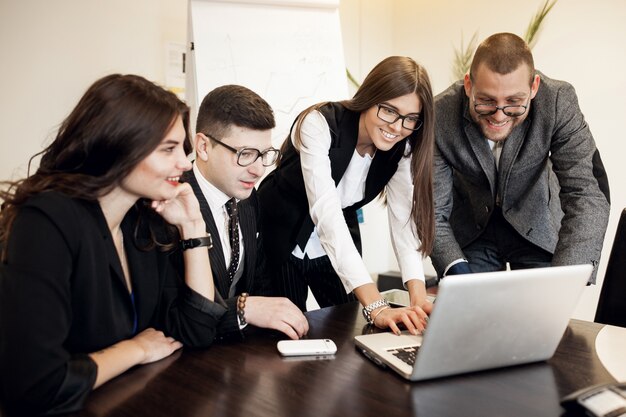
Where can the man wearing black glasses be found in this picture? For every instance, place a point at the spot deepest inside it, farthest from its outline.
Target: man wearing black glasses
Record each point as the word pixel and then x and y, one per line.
pixel 518 177
pixel 233 148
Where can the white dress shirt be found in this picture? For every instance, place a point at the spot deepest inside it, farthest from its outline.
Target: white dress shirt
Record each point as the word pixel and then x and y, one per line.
pixel 326 202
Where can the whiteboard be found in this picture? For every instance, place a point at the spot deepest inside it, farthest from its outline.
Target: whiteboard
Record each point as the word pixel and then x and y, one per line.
pixel 288 52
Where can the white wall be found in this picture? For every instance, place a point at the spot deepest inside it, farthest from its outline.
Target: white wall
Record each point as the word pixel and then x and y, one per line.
pixel 53 50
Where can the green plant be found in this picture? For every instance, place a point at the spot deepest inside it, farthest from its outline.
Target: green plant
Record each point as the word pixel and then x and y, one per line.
pixel 352 79
pixel 535 24
pixel 463 57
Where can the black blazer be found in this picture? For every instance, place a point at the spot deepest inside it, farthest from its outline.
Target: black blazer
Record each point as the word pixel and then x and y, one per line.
pixel 63 295
pixel 254 279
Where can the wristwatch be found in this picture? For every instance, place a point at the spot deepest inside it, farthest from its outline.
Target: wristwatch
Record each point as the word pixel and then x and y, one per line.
pixel 367 310
pixel 197 242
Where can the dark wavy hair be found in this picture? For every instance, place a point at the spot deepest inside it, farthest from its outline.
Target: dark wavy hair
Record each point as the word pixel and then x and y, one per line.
pixel 117 123
pixel 393 77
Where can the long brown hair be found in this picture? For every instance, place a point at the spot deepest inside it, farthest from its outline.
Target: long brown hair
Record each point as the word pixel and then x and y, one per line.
pixel 118 122
pixel 393 77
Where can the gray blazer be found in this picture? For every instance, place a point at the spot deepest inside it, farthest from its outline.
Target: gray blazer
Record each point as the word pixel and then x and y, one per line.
pixel 552 183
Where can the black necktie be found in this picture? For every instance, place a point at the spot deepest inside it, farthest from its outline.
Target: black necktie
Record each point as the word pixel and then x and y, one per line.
pixel 233 235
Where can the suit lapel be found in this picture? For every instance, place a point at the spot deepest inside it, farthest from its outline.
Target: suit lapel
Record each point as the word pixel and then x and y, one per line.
pixel 511 149
pixel 114 263
pixel 111 253
pixel 115 266
pixel 247 222
pixel 143 268
pixel 481 150
pixel 216 254
pixel 340 159
pixel 343 144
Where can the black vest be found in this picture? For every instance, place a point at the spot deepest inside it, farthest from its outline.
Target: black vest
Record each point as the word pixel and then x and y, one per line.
pixel 285 219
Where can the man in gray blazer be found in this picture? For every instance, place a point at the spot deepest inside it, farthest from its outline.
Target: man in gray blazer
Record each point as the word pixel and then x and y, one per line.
pixel 518 178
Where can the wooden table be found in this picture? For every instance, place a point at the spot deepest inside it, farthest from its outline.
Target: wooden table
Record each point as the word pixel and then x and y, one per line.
pixel 250 379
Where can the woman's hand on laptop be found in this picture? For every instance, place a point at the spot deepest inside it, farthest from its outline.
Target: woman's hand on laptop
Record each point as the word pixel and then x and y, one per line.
pixel 418 296
pixel 413 318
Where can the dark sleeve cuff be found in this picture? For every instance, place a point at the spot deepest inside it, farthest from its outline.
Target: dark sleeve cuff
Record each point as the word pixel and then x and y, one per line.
pixel 77 384
pixel 196 320
pixel 228 328
pixel 203 304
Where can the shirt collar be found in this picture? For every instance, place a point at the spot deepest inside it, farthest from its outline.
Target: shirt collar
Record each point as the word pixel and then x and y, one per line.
pixel 214 197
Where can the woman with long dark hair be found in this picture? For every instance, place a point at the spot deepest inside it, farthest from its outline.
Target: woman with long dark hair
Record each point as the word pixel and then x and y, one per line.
pixel 338 157
pixel 87 289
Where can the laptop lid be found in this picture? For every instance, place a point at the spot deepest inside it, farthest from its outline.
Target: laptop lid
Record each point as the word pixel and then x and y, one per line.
pixel 487 320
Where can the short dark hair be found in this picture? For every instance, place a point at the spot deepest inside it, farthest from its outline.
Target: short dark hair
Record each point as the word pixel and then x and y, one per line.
pixel 503 53
pixel 230 105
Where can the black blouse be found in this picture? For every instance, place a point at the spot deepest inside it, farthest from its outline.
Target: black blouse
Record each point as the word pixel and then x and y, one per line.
pixel 63 295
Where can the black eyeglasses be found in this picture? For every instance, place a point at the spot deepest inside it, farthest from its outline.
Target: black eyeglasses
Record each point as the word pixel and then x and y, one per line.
pixel 248 156
pixel 485 109
pixel 390 115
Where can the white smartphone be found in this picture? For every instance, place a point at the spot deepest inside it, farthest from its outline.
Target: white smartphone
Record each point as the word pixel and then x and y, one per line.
pixel 305 347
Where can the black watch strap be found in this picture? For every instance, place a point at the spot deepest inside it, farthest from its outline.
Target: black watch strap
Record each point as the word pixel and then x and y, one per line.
pixel 197 242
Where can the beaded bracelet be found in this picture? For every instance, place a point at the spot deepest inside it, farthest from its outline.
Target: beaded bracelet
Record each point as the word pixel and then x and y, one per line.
pixel 241 306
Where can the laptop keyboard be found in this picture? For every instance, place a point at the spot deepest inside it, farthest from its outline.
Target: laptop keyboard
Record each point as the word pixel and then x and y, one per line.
pixel 405 354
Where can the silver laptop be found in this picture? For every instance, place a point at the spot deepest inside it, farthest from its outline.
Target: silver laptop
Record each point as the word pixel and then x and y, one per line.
pixel 483 321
